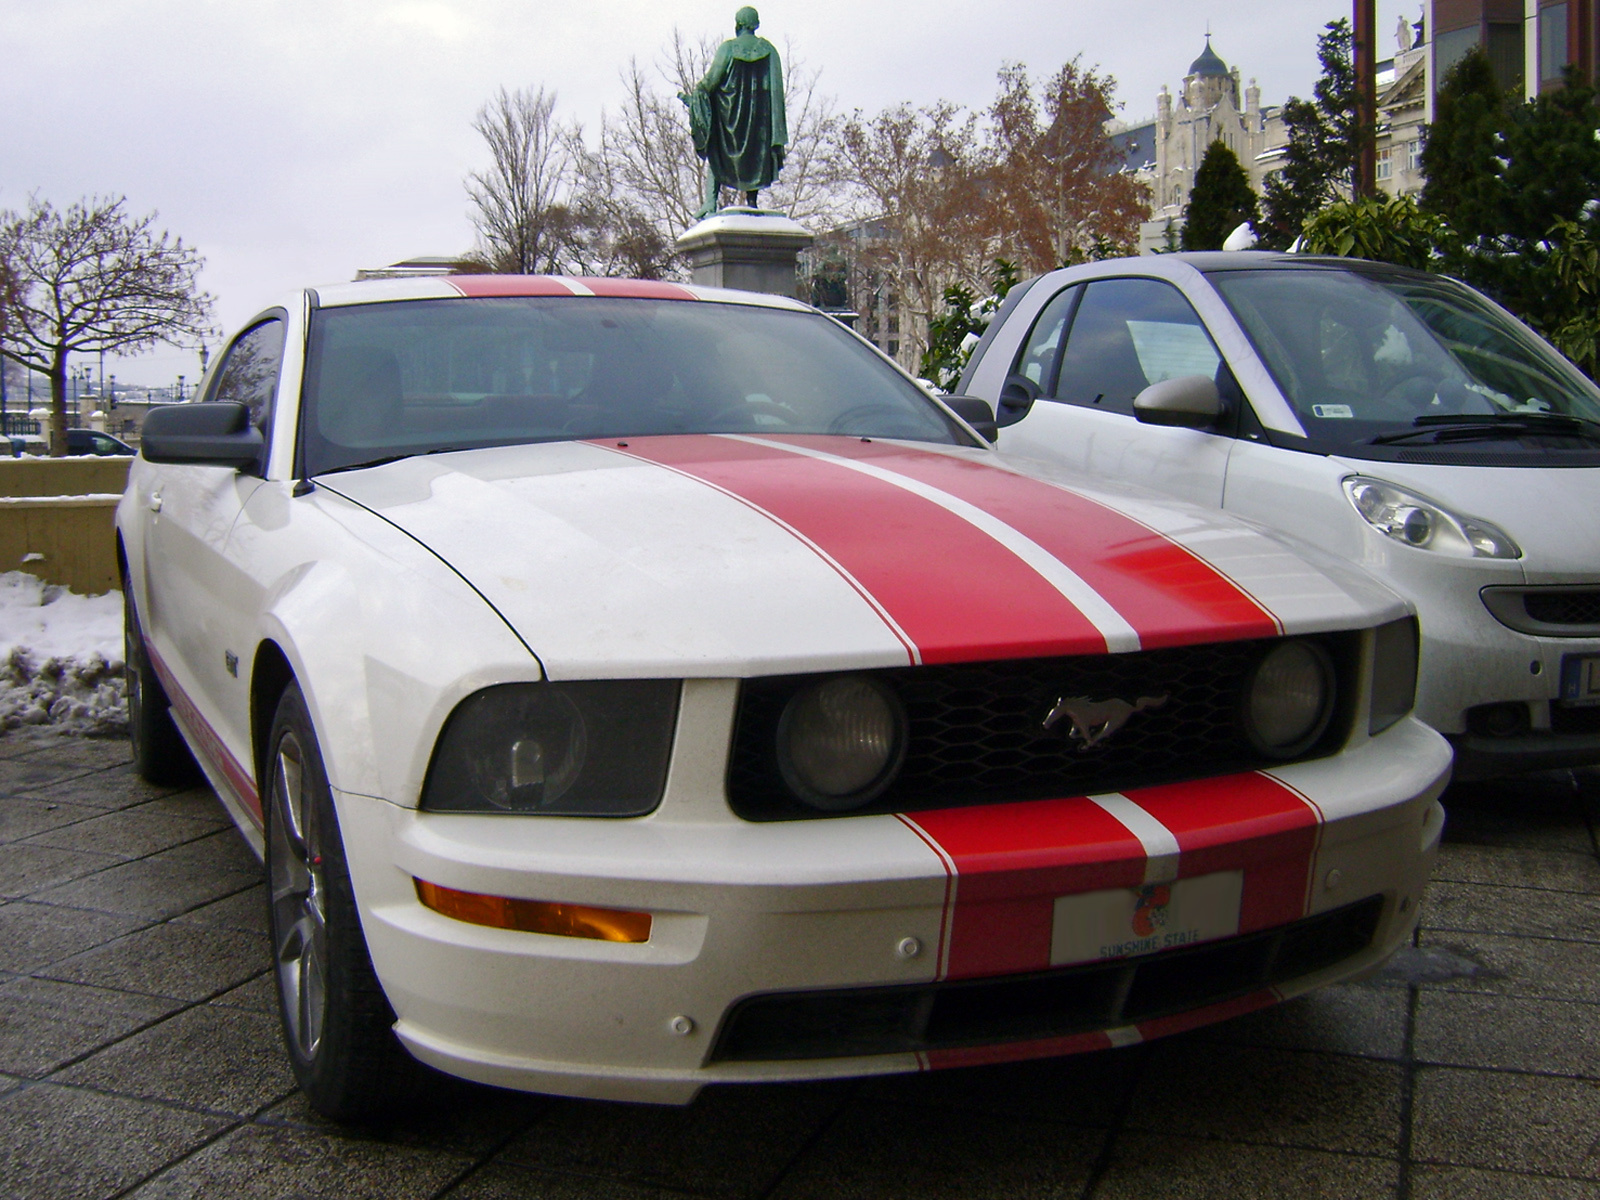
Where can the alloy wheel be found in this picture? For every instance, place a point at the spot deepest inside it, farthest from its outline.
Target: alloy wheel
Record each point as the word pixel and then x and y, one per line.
pixel 299 915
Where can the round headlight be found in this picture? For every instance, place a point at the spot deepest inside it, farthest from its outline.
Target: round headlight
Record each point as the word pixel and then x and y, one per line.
pixel 1290 699
pixel 840 742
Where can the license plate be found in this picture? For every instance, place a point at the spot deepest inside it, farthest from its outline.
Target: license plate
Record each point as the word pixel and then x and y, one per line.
pixel 1580 679
pixel 1122 922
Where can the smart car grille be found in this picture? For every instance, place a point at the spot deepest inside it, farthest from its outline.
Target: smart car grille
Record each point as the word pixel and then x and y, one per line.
pixel 977 735
pixel 855 1022
pixel 1563 608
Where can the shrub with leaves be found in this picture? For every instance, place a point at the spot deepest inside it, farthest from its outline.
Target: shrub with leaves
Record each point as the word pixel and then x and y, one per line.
pixel 1389 229
pixel 1575 261
pixel 954 333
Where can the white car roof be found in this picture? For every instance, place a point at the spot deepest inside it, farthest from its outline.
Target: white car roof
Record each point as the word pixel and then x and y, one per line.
pixel 450 287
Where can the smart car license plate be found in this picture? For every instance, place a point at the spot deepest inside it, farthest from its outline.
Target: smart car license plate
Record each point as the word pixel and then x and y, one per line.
pixel 1121 922
pixel 1580 679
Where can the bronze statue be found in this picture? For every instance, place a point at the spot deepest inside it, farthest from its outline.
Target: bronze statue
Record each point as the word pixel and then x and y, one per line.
pixel 737 117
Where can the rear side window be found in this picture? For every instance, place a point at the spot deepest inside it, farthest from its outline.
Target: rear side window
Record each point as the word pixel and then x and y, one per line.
pixel 1126 335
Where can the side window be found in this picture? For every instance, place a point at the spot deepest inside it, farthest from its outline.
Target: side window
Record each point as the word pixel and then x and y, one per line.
pixel 249 374
pixel 1042 350
pixel 1126 335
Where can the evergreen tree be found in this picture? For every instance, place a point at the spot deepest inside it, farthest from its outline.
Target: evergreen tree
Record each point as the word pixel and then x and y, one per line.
pixel 1220 202
pixel 1458 158
pixel 1320 158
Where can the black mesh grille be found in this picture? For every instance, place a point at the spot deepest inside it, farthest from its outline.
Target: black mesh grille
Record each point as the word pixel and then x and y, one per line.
pixel 854 1022
pixel 1564 608
pixel 976 731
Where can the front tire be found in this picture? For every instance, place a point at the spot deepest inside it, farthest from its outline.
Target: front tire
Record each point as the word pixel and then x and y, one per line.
pixel 160 755
pixel 337 1023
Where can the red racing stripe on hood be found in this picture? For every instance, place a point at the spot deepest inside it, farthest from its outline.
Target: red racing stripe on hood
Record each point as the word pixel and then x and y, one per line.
pixel 956 593
pixel 1169 594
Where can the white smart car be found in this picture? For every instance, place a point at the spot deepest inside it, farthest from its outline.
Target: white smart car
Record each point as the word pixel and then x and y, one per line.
pixel 633 686
pixel 1396 419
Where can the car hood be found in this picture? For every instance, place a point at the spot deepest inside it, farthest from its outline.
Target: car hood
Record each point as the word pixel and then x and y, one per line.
pixel 733 556
pixel 1546 510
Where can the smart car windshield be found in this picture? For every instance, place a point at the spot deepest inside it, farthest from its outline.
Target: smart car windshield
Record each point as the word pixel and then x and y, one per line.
pixel 1381 358
pixel 397 379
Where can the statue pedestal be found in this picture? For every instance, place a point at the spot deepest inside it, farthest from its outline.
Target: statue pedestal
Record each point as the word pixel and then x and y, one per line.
pixel 746 248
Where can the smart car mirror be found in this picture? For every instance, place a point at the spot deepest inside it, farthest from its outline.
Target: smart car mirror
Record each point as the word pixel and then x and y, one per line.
pixel 1017 395
pixel 976 412
pixel 1189 401
pixel 213 434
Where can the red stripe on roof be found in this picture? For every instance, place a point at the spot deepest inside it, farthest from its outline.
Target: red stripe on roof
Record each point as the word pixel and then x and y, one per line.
pixel 957 594
pixel 508 285
pixel 1167 593
pixel 1012 861
pixel 1245 822
pixel 638 289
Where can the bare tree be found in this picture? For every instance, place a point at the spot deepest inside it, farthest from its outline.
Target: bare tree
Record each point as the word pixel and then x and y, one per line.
pixel 520 204
pixel 915 176
pixel 1056 192
pixel 93 279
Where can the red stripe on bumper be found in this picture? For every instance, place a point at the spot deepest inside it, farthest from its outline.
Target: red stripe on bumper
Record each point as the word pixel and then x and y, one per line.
pixel 1011 863
pixel 899 547
pixel 1168 594
pixel 1227 1009
pixel 1248 822
pixel 977 1056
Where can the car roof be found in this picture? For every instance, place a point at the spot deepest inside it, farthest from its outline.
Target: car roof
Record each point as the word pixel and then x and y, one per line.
pixel 451 287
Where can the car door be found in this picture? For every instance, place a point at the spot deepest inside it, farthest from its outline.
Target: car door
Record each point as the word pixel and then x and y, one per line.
pixel 1094 347
pixel 197 598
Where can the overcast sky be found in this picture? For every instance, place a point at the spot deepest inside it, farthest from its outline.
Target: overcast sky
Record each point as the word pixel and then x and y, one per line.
pixel 295 141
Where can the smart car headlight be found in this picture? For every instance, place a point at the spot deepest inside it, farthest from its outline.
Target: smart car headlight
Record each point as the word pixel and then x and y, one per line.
pixel 841 741
pixel 1419 522
pixel 592 749
pixel 1289 700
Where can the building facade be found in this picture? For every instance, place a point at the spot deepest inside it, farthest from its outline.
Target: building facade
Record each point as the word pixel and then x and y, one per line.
pixel 1529 43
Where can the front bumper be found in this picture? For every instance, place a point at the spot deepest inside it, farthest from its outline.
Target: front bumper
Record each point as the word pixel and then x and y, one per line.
pixel 744 910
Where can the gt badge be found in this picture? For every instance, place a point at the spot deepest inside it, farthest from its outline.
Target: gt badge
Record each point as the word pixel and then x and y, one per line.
pixel 1093 721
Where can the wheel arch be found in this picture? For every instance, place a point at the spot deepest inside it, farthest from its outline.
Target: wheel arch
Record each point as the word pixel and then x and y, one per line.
pixel 270 676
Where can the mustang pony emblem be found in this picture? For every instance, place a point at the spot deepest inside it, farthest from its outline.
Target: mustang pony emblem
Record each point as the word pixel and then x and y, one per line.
pixel 1093 721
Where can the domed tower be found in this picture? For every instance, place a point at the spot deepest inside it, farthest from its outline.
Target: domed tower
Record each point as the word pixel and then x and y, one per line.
pixel 1209 80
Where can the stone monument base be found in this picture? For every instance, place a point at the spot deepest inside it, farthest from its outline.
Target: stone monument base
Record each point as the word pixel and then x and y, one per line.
pixel 747 248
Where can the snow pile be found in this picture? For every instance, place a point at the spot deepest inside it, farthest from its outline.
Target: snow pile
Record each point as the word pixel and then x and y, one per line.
pixel 60 657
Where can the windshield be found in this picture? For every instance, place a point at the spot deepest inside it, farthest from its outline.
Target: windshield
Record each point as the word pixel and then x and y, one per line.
pixel 412 377
pixel 1372 358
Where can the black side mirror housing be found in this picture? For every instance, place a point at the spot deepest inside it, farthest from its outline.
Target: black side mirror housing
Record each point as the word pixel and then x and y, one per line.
pixel 1189 402
pixel 976 412
pixel 1017 395
pixel 213 434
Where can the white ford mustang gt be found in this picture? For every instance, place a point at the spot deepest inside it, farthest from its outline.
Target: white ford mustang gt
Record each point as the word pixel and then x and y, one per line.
pixel 633 686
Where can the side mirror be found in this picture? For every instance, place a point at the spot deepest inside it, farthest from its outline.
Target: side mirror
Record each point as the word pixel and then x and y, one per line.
pixel 975 412
pixel 213 434
pixel 1017 395
pixel 1189 401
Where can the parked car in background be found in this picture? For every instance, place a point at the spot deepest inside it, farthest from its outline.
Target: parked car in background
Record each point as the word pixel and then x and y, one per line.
pixel 634 686
pixel 1397 419
pixel 92 441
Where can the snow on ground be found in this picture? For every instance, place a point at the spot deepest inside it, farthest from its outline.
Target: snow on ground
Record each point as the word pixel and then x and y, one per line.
pixel 60 657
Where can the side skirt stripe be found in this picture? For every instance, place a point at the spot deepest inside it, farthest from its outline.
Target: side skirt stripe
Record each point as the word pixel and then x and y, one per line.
pixel 207 741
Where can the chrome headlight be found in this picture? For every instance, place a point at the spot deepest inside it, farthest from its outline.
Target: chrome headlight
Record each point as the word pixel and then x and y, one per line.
pixel 1419 522
pixel 557 749
pixel 1289 700
pixel 841 742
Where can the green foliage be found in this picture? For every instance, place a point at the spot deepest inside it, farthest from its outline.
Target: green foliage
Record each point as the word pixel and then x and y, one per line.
pixel 1220 202
pixel 1320 157
pixel 1517 180
pixel 954 333
pixel 1388 229
pixel 1575 262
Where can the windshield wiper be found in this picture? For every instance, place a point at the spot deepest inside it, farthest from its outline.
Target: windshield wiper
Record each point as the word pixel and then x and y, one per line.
pixel 1465 427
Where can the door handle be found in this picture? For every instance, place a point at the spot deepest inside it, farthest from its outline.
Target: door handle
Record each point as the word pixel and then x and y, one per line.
pixel 155 502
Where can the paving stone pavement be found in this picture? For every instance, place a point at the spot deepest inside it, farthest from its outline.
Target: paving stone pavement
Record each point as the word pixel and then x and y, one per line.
pixel 140 1055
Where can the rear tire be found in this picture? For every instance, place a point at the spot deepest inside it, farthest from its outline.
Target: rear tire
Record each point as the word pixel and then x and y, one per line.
pixel 337 1023
pixel 160 755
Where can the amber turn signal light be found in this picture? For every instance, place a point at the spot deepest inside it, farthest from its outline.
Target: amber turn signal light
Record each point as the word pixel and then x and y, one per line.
pixel 536 916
